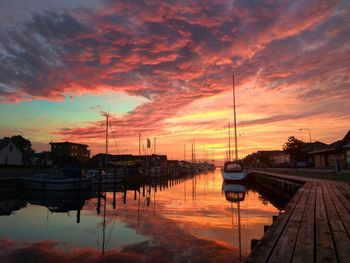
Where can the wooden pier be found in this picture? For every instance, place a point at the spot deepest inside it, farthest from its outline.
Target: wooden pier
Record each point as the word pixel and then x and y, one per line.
pixel 314 227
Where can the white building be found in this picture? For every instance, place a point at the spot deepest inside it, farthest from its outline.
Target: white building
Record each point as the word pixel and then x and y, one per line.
pixel 10 154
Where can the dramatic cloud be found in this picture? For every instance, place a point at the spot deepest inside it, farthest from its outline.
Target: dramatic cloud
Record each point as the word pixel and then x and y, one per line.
pixel 175 54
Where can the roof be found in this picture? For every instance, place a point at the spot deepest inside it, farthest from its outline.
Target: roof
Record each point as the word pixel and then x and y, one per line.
pixel 346 139
pixel 337 145
pixel 313 146
pixel 71 143
pixel 3 143
pixel 272 152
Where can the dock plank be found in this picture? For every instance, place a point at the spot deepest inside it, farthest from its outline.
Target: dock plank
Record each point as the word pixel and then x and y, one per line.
pixel 266 245
pixel 340 237
pixel 284 248
pixel 314 228
pixel 325 251
pixel 338 200
pixel 304 247
pixel 344 195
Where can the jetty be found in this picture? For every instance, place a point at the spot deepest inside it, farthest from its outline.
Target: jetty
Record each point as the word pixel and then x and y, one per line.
pixel 313 227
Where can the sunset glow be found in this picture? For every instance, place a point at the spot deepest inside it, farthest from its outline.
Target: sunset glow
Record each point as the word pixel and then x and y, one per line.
pixel 164 68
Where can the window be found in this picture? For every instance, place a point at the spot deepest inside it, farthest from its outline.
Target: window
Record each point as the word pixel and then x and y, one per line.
pixel 233 167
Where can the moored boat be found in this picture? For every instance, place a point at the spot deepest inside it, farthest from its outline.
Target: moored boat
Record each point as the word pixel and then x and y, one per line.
pixel 233 171
pixel 57 180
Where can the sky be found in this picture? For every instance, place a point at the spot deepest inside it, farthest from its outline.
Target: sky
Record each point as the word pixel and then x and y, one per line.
pixel 164 69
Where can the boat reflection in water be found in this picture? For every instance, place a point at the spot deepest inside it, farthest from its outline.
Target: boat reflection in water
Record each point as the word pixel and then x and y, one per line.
pixel 161 219
pixel 235 193
pixel 59 202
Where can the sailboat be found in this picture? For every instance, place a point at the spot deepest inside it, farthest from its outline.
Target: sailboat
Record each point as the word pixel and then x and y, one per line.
pixel 234 170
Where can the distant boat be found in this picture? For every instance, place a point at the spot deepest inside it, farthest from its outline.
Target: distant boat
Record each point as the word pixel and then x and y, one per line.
pixel 233 170
pixel 57 180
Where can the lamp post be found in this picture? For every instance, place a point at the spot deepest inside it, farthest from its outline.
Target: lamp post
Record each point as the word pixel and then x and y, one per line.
pixel 306 129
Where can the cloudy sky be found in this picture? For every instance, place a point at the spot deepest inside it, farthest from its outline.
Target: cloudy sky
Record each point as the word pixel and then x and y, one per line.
pixel 164 68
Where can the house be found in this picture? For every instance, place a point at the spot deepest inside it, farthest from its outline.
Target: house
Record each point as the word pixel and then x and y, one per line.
pixel 122 159
pixel 41 159
pixel 336 152
pixel 10 154
pixel 70 150
pixel 274 158
pixel 307 160
pixel 279 158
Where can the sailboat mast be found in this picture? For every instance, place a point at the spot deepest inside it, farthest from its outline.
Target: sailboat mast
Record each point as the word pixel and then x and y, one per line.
pixel 184 152
pixel 139 143
pixel 107 116
pixel 155 145
pixel 229 142
pixel 234 115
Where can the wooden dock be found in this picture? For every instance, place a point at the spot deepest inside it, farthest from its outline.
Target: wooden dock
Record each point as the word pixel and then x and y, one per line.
pixel 314 227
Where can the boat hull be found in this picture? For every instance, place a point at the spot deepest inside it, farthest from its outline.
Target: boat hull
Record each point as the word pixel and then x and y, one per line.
pixel 56 185
pixel 234 176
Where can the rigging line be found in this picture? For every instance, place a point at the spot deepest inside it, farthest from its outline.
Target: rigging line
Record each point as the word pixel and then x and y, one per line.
pixel 115 141
pixel 110 233
pixel 143 147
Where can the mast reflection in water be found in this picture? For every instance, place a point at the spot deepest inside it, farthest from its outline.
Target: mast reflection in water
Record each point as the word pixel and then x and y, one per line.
pixel 163 220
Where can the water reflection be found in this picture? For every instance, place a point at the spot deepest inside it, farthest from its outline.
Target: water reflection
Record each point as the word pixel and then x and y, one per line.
pixel 235 193
pixel 195 218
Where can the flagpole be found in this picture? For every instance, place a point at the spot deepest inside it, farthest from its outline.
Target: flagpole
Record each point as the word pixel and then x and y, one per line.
pixel 139 144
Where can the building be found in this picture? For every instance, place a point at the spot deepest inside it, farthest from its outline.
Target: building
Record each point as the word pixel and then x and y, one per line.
pixel 128 159
pixel 306 160
pixel 41 159
pixel 70 150
pixel 10 154
pixel 334 154
pixel 100 159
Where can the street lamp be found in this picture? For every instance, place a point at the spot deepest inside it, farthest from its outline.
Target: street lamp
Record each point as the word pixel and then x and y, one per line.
pixel 306 129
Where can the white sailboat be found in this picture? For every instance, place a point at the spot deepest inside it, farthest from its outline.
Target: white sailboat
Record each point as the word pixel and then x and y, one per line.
pixel 233 170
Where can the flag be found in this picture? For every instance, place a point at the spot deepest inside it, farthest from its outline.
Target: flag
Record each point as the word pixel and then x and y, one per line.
pixel 148 143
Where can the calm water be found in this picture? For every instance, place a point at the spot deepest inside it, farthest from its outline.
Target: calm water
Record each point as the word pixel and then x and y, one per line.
pixel 192 220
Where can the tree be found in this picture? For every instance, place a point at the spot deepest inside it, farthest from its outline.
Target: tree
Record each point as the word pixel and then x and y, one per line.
pixel 264 159
pixel 293 147
pixel 22 143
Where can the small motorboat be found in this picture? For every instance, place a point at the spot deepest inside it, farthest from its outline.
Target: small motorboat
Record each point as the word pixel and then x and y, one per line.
pixel 57 180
